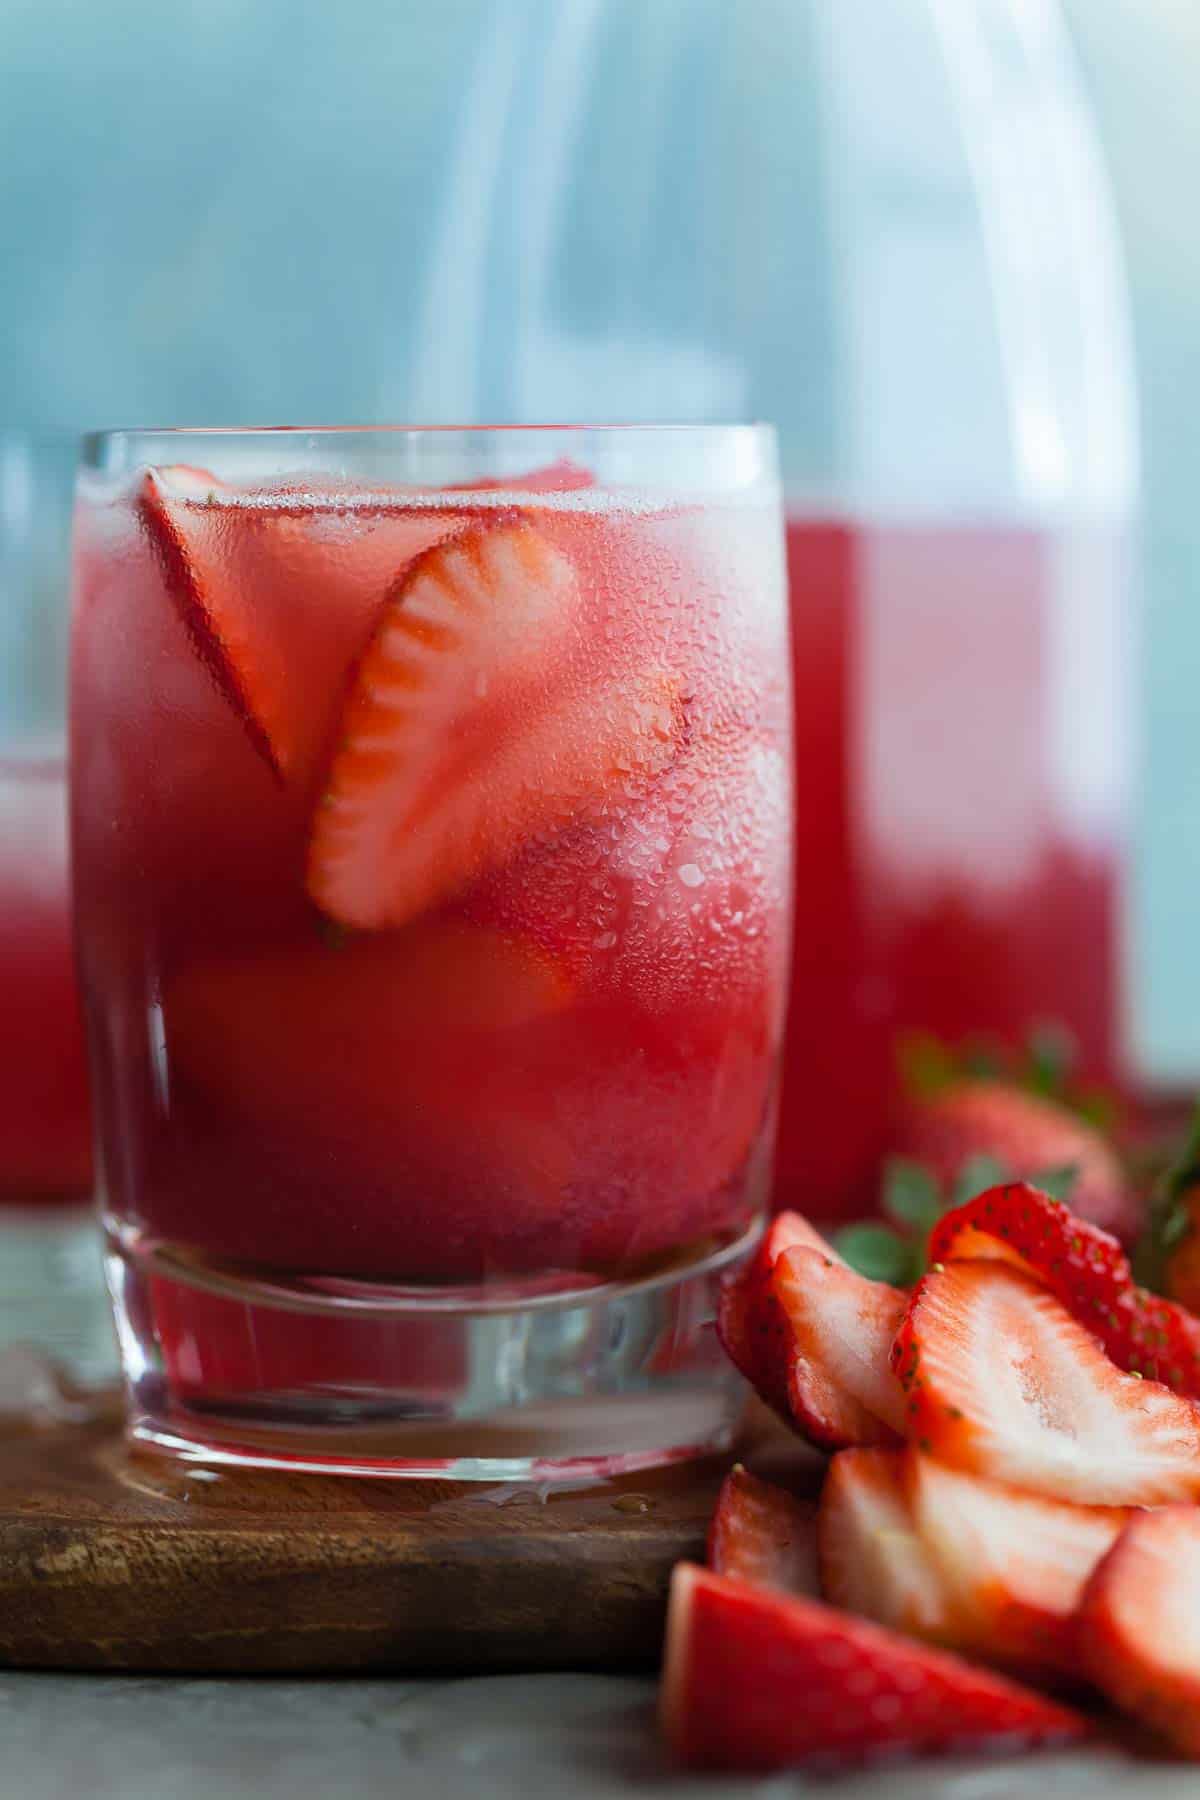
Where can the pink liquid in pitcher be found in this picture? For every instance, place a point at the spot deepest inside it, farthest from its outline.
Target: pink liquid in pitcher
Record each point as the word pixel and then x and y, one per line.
pixel 959 751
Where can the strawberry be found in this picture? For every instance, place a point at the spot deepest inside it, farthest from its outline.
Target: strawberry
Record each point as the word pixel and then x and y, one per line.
pixel 873 1559
pixel 1025 1133
pixel 270 597
pixel 1139 1624
pixel 1086 1269
pixel 1012 1565
pixel 763 1534
pixel 212 616
pixel 840 1328
pixel 453 751
pixel 1002 1380
pixel 758 1681
pixel 750 1322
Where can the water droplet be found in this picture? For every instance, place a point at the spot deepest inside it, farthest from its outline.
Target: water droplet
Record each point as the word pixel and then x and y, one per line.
pixel 691 876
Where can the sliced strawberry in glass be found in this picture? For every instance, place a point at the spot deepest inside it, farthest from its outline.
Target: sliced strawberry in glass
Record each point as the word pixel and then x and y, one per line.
pixel 458 744
pixel 213 616
pixel 279 590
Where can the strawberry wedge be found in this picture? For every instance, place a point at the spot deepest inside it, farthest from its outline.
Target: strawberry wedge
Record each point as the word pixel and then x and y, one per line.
pixel 761 1533
pixel 874 1561
pixel 1012 1566
pixel 212 613
pixel 1003 1381
pixel 841 1389
pixel 1139 1624
pixel 750 1321
pixel 1086 1268
pixel 454 747
pixel 758 1681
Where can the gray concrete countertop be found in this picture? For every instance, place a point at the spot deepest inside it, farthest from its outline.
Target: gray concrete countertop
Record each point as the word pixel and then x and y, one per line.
pixel 515 1737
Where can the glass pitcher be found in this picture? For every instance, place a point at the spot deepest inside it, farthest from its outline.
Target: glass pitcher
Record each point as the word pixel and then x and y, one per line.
pixel 887 229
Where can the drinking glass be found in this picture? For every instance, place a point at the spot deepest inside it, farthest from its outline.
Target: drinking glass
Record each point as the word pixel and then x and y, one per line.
pixel 51 1287
pixel 430 819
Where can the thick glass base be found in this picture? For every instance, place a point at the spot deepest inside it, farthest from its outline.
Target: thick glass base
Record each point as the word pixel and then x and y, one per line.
pixel 533 1381
pixel 52 1288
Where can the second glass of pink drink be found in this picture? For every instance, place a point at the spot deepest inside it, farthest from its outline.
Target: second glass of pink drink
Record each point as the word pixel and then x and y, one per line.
pixel 51 1293
pixel 432 865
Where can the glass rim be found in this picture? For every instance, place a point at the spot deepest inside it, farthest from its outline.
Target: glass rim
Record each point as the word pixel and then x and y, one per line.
pixel 697 457
pixel 717 429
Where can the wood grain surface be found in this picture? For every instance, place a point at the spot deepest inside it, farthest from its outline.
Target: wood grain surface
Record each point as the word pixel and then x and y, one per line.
pixel 114 1561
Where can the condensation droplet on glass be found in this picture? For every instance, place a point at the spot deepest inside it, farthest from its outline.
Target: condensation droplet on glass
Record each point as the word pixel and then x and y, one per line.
pixel 691 875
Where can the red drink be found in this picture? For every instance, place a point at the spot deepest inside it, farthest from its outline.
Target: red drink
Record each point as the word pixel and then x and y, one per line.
pixel 961 746
pixel 45 1132
pixel 432 865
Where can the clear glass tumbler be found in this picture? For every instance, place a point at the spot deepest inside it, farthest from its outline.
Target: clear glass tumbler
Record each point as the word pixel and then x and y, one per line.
pixel 51 1286
pixel 431 793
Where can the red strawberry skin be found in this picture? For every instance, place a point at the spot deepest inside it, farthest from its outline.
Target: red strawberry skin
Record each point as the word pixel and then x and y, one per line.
pixel 1026 1133
pixel 762 1534
pixel 1139 1624
pixel 750 1320
pixel 1086 1268
pixel 841 1389
pixel 758 1681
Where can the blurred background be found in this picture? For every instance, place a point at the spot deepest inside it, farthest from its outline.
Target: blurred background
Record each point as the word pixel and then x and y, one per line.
pixel 884 223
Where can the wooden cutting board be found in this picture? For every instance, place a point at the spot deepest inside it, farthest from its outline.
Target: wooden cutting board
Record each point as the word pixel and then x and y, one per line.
pixel 115 1561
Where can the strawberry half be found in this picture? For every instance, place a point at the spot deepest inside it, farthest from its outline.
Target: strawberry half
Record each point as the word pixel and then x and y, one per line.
pixel 1088 1271
pixel 1002 1380
pixel 213 614
pixel 750 1321
pixel 1024 1132
pixel 761 1533
pixel 454 749
pixel 1139 1624
pixel 758 1681
pixel 873 1559
pixel 1012 1565
pixel 840 1329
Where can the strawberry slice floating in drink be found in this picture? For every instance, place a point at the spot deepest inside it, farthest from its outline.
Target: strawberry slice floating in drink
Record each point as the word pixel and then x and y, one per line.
pixel 455 748
pixel 270 597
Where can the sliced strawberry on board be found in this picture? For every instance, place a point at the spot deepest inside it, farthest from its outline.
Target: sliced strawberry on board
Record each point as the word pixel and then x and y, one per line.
pixel 750 1322
pixel 1139 1624
pixel 840 1327
pixel 1002 1380
pixel 763 1534
pixel 1012 1565
pixel 1088 1271
pixel 759 1681
pixel 455 746
pixel 874 1561
pixel 213 615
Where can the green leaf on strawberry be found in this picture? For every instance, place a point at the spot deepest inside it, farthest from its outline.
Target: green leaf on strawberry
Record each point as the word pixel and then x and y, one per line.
pixel 898 1252
pixel 880 1253
pixel 910 1194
